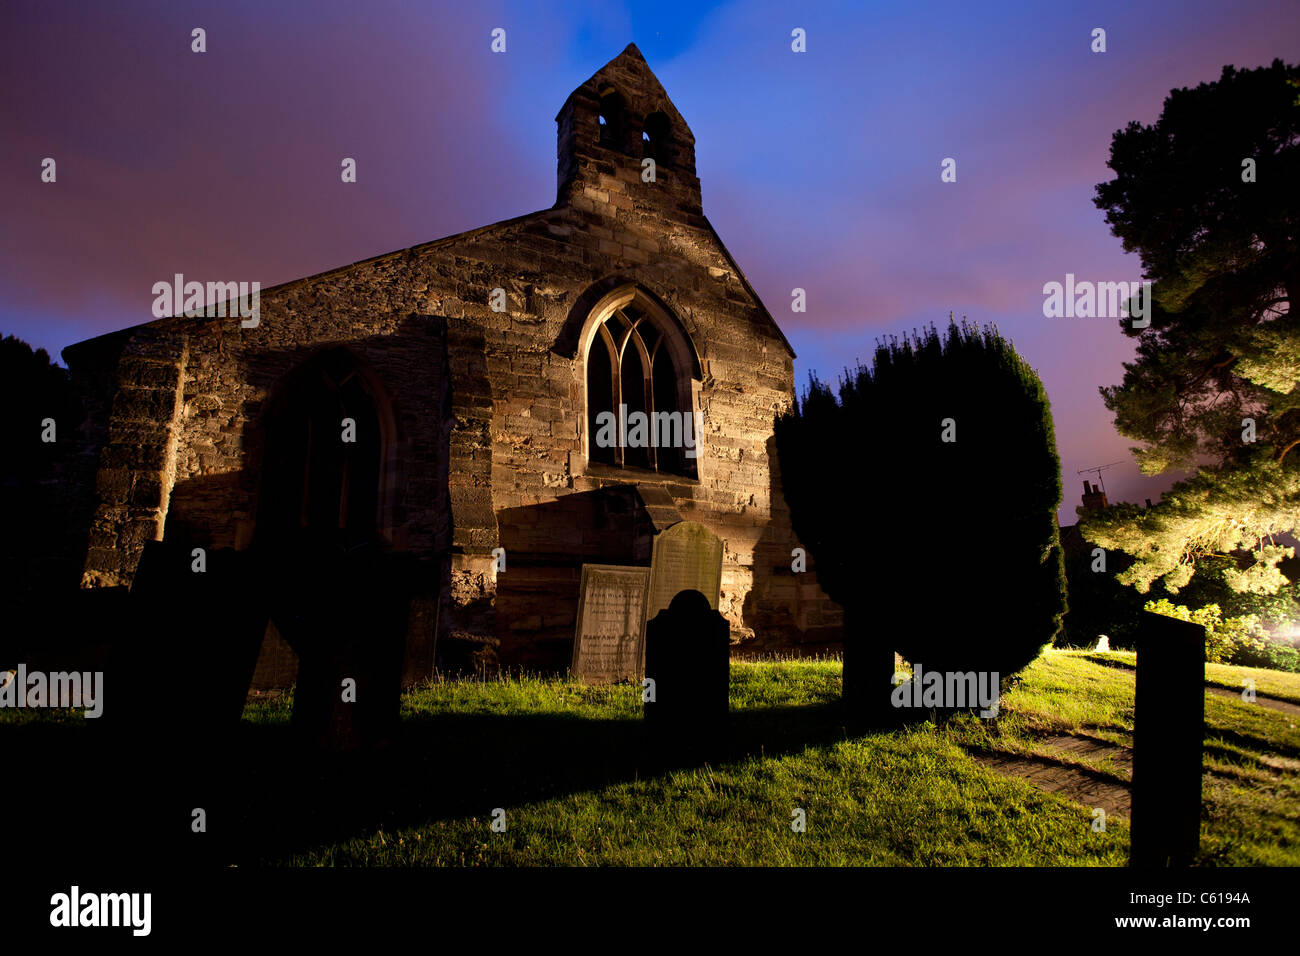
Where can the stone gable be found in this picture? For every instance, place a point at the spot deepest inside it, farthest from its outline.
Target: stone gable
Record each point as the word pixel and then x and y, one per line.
pixel 484 430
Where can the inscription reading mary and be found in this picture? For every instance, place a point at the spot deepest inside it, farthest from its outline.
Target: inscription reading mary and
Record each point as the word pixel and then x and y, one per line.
pixel 610 644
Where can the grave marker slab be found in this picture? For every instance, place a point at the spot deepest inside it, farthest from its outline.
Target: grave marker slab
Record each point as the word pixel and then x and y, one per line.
pixel 685 557
pixel 688 656
pixel 609 639
pixel 1168 737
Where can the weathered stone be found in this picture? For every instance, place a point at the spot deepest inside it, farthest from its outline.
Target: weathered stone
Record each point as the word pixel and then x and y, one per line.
pixel 686 557
pixel 608 645
pixel 479 415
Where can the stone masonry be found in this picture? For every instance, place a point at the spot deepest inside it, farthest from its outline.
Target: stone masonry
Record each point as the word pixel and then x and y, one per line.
pixel 481 413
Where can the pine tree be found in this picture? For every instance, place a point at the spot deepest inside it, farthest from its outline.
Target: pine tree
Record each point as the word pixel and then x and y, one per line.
pixel 1209 197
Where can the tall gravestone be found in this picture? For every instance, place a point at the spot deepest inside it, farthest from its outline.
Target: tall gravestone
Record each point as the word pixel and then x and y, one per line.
pixel 198 617
pixel 1168 731
pixel 685 557
pixel 345 614
pixel 688 672
pixel 609 639
pixel 195 620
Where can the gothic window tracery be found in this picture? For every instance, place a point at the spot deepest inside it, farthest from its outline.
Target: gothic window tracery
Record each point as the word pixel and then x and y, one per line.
pixel 635 367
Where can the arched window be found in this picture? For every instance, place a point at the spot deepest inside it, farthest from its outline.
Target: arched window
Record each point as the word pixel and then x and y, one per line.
pixel 611 119
pixel 640 393
pixel 656 139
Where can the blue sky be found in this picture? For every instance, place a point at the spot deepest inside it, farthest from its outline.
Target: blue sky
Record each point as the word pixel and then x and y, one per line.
pixel 819 170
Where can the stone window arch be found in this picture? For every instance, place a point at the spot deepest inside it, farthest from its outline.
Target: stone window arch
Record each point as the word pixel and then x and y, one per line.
pixel 656 139
pixel 610 119
pixel 638 359
pixel 314 483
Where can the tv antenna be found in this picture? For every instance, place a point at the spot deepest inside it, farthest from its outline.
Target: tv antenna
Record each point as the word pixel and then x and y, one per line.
pixel 1098 470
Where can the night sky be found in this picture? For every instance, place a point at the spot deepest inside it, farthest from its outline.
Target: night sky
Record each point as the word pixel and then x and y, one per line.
pixel 819 170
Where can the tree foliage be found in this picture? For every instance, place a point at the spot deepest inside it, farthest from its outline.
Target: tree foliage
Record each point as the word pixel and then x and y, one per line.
pixel 1223 636
pixel 1099 604
pixel 32 389
pixel 37 513
pixel 1213 385
pixel 945 551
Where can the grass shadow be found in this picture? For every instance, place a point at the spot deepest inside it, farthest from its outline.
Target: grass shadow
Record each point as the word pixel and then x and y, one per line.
pixel 263 797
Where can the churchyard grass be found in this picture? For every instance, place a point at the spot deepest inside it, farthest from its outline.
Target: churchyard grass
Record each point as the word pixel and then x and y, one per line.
pixel 1273 683
pixel 910 797
pixel 566 764
pixel 1251 784
pixel 915 796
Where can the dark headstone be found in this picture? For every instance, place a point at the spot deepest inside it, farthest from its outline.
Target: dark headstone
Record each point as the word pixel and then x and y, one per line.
pixel 1168 730
pixel 195 637
pixel 688 657
pixel 609 639
pixel 685 557
pixel 78 632
pixel 345 613
pixel 174 688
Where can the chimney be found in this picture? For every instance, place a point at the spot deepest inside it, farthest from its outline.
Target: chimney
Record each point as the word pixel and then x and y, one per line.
pixel 1094 499
pixel 1148 504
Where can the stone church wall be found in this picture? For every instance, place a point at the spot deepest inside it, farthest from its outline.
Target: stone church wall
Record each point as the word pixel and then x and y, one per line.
pixel 487 407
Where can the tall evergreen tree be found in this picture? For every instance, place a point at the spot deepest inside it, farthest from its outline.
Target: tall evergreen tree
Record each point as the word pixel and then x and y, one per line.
pixel 942 543
pixel 38 435
pixel 1209 197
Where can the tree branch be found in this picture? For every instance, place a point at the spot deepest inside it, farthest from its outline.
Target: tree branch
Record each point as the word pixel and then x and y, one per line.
pixel 1283 452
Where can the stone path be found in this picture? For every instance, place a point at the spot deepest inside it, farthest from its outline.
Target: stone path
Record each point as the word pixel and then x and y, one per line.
pixel 1088 787
pixel 1083 786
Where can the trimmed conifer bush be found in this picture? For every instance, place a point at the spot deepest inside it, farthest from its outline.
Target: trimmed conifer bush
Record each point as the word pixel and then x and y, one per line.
pixel 926 495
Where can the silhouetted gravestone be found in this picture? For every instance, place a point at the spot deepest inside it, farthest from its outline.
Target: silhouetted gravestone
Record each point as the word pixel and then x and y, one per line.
pixel 609 638
pixel 345 614
pixel 89 623
pixel 685 557
pixel 379 635
pixel 1168 731
pixel 194 637
pixel 174 688
pixel 688 658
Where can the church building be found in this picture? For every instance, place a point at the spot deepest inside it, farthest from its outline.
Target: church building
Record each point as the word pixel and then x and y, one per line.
pixel 450 404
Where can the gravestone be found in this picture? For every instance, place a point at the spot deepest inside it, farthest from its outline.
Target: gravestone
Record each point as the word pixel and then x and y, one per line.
pixel 177 688
pixel 688 658
pixel 345 614
pixel 1168 730
pixel 196 634
pixel 609 639
pixel 685 557
pixel 867 673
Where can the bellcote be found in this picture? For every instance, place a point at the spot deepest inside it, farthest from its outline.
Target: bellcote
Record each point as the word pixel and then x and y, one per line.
pixel 610 126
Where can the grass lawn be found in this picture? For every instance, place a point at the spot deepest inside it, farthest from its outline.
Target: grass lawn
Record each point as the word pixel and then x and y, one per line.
pixel 1279 684
pixel 909 797
pixel 1251 786
pixel 568 765
pixel 904 798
